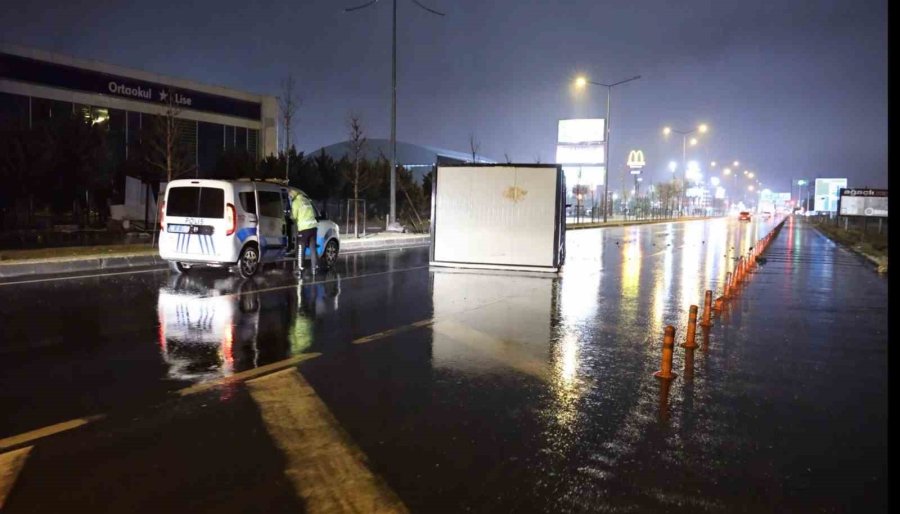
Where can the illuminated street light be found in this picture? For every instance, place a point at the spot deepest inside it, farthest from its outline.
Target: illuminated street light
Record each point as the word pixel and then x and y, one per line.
pixel 581 82
pixel 736 164
pixel 673 166
pixel 749 188
pixel 714 181
pixel 712 164
pixel 727 171
pixel 750 175
pixel 702 128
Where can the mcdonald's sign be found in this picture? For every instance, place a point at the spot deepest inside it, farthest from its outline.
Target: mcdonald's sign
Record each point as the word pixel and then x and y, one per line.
pixel 636 159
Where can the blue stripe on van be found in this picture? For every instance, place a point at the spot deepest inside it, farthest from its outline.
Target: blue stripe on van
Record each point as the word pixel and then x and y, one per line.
pixel 246 232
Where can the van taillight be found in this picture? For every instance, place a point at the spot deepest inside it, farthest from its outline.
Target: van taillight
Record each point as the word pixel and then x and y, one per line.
pixel 231 217
pixel 162 214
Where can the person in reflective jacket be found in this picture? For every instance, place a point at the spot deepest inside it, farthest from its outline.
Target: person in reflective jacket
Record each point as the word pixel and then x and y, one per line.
pixel 305 219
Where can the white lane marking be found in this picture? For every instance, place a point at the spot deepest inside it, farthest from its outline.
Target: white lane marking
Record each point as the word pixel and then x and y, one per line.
pixel 327 470
pixel 75 277
pixel 42 432
pixel 11 464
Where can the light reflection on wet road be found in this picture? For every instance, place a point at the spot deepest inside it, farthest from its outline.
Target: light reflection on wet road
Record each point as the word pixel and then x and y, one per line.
pixel 514 392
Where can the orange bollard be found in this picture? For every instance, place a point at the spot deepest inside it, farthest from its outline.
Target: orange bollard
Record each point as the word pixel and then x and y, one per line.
pixel 720 304
pixel 707 307
pixel 690 340
pixel 727 293
pixel 665 372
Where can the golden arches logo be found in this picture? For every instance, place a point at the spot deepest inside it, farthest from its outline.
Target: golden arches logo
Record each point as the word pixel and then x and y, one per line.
pixel 636 159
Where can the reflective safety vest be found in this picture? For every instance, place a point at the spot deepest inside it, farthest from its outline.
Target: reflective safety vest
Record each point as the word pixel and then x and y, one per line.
pixel 302 211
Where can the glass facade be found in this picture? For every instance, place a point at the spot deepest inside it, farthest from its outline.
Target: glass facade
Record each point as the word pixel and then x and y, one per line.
pixel 205 141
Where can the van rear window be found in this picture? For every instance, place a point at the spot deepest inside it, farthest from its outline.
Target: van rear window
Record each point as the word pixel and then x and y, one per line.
pixel 198 202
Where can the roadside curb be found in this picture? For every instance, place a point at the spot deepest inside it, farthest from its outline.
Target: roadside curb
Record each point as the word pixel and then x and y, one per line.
pixel 636 222
pixel 53 266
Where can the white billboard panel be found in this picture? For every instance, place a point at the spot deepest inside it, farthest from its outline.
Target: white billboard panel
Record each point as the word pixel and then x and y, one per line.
pixel 580 154
pixel 577 131
pixel 827 193
pixel 505 216
pixel 590 176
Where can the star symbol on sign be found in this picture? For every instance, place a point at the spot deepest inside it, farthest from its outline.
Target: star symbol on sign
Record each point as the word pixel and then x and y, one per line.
pixel 162 96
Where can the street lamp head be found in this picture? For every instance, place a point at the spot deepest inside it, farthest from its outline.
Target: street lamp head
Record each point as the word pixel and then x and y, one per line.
pixel 727 171
pixel 703 128
pixel 693 141
pixel 673 166
pixel 713 164
pixel 736 164
pixel 714 181
pixel 667 131
pixel 750 174
pixel 580 81
pixel 749 188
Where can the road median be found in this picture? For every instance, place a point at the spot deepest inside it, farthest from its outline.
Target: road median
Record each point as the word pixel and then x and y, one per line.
pixel 623 223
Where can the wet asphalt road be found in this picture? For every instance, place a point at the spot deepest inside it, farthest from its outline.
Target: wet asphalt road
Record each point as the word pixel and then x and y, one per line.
pixel 468 391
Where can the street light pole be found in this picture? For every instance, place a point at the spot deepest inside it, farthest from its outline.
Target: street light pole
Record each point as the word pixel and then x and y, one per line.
pixel 393 203
pixel 580 82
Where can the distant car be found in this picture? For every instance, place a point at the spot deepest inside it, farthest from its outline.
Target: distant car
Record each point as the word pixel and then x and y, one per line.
pixel 767 215
pixel 744 216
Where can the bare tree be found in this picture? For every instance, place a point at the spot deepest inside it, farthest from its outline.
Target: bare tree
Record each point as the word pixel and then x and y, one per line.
pixel 360 177
pixel 506 156
pixel 166 151
pixel 288 104
pixel 537 159
pixel 474 146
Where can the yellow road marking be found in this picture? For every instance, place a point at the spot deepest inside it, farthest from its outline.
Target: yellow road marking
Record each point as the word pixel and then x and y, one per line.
pixel 11 464
pixel 248 374
pixel 387 333
pixel 325 467
pixel 40 433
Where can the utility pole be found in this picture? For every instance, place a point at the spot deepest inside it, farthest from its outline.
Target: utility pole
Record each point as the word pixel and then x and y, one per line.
pixel 393 208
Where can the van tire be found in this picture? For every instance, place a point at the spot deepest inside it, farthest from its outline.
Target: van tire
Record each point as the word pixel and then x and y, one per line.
pixel 248 263
pixel 178 267
pixel 329 255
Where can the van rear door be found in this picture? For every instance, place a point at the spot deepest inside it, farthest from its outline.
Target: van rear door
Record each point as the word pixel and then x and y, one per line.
pixel 196 214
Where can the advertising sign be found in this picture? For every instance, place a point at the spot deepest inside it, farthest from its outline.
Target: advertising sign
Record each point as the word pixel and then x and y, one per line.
pixel 828 193
pixel 581 149
pixel 863 202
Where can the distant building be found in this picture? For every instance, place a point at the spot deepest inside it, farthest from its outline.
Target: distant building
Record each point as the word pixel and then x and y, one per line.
pixel 416 158
pixel 36 85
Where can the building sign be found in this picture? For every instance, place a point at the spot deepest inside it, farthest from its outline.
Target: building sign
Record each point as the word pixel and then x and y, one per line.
pixel 25 69
pixel 635 161
pixel 863 202
pixel 581 149
pixel 827 193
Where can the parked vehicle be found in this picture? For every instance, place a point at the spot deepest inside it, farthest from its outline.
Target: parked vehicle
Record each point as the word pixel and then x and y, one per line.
pixel 234 224
pixel 744 216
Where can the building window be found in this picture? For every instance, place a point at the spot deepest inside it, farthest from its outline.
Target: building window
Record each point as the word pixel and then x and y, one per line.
pixel 240 139
pixel 209 146
pixel 253 143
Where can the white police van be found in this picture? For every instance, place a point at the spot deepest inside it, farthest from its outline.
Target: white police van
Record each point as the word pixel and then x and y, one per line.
pixel 234 224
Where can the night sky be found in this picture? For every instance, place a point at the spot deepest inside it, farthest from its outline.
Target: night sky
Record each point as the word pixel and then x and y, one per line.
pixel 791 89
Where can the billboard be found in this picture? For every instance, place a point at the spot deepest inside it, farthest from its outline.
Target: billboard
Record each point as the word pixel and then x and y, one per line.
pixel 863 202
pixel 581 149
pixel 827 194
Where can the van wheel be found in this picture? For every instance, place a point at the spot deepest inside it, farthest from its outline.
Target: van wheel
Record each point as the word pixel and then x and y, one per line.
pixel 330 254
pixel 248 262
pixel 178 267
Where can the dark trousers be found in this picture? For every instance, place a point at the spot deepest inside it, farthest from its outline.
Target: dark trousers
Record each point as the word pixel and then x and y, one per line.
pixel 307 239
